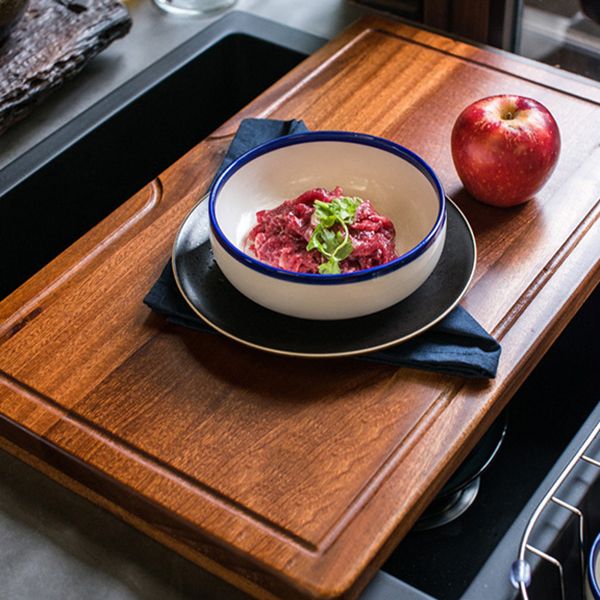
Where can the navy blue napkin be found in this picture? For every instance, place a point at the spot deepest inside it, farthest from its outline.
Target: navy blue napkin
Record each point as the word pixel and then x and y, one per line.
pixel 457 344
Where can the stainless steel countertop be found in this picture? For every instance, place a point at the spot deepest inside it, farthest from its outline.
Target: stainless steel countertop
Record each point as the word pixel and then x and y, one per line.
pixel 154 33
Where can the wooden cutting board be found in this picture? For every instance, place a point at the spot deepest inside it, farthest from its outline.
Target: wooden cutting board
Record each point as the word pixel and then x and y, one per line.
pixel 258 467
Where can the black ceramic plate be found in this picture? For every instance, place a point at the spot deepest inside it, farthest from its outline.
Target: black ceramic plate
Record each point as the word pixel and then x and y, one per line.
pixel 217 302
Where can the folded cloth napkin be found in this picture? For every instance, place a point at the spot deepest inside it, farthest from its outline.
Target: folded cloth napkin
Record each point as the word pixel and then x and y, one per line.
pixel 457 344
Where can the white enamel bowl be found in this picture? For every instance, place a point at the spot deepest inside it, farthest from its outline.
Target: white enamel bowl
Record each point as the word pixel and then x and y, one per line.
pixel 400 185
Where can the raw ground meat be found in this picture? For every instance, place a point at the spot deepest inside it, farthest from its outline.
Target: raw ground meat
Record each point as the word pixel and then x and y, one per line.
pixel 281 234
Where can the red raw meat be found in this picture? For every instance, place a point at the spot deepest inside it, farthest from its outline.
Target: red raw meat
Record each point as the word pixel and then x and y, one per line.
pixel 281 234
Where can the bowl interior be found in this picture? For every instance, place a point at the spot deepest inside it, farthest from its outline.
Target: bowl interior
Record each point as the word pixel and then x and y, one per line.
pixel 397 188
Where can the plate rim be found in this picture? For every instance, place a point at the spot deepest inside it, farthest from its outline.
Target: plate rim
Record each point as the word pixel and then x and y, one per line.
pixel 340 354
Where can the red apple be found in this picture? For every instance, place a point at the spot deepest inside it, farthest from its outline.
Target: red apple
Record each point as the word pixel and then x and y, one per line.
pixel 505 148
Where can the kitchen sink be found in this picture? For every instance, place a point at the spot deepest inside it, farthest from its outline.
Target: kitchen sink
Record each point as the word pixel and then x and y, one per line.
pixel 58 190
pixel 548 418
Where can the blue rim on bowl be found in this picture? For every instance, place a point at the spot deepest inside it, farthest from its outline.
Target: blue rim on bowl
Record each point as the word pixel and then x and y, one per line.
pixel 592 575
pixel 328 136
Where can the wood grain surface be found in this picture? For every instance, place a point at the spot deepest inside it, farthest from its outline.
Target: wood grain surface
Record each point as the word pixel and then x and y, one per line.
pixel 50 44
pixel 286 483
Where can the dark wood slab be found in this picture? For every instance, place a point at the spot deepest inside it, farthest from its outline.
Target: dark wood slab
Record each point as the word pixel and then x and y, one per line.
pixel 286 483
pixel 50 44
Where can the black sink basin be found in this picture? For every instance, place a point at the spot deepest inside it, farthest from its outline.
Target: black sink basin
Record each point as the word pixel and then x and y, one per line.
pixel 544 416
pixel 56 192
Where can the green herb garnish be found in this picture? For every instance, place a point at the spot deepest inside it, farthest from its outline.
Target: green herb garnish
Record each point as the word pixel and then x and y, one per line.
pixel 334 245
